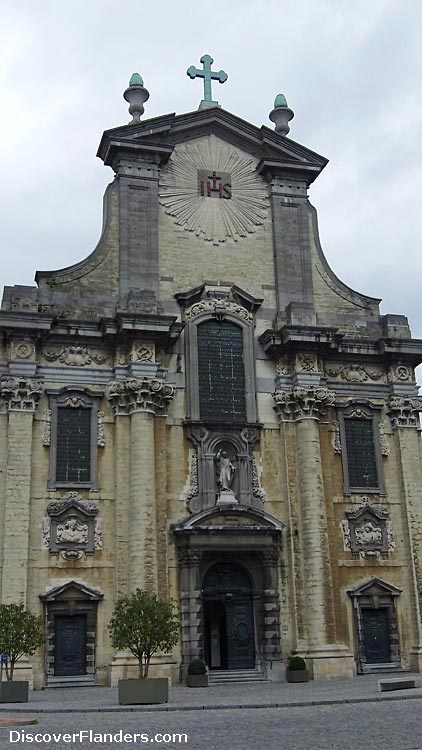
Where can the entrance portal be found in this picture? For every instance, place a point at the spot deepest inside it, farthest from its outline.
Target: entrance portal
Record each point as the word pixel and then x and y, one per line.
pixel 229 641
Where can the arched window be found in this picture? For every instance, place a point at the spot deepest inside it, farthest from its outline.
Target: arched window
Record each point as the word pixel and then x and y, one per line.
pixel 221 371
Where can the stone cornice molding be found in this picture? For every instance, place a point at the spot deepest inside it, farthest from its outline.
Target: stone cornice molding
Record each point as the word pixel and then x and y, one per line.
pixel 404 411
pixel 303 403
pixel 20 394
pixel 146 394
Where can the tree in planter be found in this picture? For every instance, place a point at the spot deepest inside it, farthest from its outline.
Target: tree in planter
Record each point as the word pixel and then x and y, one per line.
pixel 20 633
pixel 143 624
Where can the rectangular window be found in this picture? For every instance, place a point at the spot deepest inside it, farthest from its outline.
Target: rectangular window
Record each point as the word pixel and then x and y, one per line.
pixel 360 451
pixel 73 457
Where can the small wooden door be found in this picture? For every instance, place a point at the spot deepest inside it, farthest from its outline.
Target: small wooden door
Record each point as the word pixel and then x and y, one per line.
pixel 70 645
pixel 375 633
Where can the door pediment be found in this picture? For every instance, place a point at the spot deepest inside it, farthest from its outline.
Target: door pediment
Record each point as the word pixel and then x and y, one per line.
pixel 230 519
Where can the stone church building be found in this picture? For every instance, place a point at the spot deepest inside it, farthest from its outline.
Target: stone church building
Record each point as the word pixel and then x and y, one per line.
pixel 201 408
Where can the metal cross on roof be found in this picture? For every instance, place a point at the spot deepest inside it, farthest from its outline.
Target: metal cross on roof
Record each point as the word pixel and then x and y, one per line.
pixel 208 75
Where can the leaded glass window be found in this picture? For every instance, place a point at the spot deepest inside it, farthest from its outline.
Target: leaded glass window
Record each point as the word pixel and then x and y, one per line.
pixel 221 371
pixel 73 457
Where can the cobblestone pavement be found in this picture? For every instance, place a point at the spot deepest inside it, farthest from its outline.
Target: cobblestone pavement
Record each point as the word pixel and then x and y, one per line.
pixel 391 725
pixel 275 694
pixel 325 715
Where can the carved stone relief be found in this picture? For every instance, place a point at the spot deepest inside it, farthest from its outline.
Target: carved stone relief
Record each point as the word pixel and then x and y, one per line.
pixel 336 437
pixel 354 373
pixel 71 529
pixel 282 366
pixel 401 374
pixel 46 435
pixel 404 411
pixel 194 488
pixel 20 394
pixel 306 362
pixel 21 349
pixel 257 490
pixel 100 429
pixel 142 352
pixel 213 220
pixel 384 446
pixel 214 304
pixel 367 533
pixel 146 394
pixel 74 356
pixel 303 403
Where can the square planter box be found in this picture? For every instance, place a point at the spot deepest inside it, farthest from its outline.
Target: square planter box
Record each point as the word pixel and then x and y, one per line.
pixel 14 692
pixel 197 680
pixel 297 675
pixel 149 690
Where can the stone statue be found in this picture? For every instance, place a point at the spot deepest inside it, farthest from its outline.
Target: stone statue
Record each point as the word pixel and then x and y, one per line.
pixel 225 470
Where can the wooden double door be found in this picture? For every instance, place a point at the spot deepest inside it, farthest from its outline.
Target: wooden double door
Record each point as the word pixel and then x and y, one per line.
pixel 229 637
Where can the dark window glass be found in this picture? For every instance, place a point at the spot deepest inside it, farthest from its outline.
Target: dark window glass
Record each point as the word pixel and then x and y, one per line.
pixel 221 371
pixel 73 445
pixel 360 450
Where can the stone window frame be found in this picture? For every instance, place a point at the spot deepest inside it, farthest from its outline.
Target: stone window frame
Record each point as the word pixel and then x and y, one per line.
pixel 87 400
pixel 192 380
pixel 361 410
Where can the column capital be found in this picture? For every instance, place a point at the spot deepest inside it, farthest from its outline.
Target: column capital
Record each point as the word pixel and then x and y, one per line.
pixel 20 393
pixel 134 395
pixel 404 411
pixel 303 403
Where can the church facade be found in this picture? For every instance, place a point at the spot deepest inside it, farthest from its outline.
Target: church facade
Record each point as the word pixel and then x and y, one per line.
pixel 201 408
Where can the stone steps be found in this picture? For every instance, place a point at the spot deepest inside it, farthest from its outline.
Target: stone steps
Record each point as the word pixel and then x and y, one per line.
pixel 76 681
pixel 226 676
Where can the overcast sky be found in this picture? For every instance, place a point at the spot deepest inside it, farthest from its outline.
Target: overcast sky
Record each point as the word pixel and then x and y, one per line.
pixel 350 69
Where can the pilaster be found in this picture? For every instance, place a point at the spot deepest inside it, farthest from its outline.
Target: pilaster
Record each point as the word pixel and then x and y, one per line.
pixel 21 396
pixel 140 400
pixel 404 415
pixel 306 407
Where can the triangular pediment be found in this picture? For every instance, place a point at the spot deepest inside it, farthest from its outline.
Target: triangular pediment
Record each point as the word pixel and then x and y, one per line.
pixel 71 590
pixel 162 134
pixel 229 518
pixel 374 587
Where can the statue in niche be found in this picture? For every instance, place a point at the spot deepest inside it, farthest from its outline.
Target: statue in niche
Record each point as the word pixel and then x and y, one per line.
pixel 72 531
pixel 225 470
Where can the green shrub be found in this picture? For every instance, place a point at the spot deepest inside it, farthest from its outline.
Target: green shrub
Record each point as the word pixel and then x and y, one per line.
pixel 143 624
pixel 197 666
pixel 296 664
pixel 21 633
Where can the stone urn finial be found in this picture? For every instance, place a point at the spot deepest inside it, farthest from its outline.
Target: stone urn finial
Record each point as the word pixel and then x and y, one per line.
pixel 281 115
pixel 136 94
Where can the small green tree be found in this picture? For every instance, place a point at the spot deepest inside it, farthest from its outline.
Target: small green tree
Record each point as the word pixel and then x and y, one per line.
pixel 20 633
pixel 143 624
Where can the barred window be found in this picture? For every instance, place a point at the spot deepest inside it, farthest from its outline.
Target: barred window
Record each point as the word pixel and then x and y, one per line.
pixel 73 458
pixel 221 371
pixel 360 448
pixel 74 438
